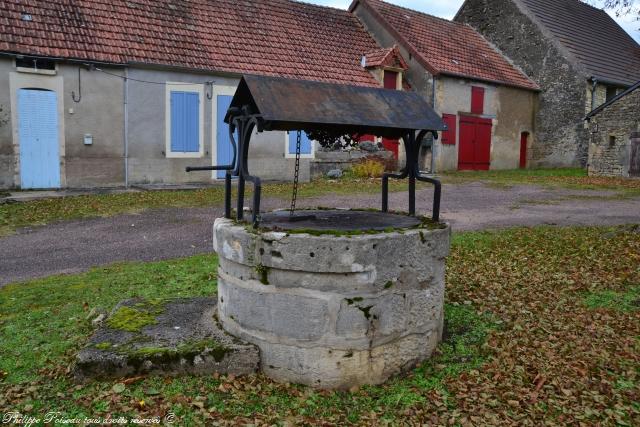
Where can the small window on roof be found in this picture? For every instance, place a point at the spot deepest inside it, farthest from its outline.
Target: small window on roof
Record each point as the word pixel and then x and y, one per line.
pixel 612 91
pixel 35 63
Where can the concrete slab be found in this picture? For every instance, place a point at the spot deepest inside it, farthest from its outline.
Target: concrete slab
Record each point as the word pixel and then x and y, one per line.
pixel 163 337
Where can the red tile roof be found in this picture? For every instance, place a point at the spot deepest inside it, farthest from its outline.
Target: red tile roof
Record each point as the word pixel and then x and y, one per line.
pixel 386 57
pixel 275 37
pixel 445 47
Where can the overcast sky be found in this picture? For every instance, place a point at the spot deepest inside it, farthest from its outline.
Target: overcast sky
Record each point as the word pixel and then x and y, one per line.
pixel 448 8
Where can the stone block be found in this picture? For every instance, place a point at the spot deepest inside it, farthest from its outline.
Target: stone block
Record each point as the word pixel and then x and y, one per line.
pixel 179 337
pixel 256 307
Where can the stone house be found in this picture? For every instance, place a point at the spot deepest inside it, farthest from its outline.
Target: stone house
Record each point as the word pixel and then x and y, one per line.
pixel 98 94
pixel 614 148
pixel 487 102
pixel 578 55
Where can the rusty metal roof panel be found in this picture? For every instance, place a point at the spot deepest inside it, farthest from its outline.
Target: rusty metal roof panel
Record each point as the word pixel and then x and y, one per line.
pixel 288 104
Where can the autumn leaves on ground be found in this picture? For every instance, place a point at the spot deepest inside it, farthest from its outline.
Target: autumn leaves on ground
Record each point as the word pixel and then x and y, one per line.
pixel 543 327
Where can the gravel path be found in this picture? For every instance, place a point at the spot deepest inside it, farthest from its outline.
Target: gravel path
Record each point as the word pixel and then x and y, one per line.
pixel 75 246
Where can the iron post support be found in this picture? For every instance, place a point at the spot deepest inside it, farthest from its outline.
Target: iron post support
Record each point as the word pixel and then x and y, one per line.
pixel 412 171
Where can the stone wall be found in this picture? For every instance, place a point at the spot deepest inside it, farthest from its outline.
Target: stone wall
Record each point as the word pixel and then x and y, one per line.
pixel 326 161
pixel 333 311
pixel 561 137
pixel 611 131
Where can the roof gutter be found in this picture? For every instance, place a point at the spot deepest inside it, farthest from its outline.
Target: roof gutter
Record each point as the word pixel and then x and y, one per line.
pixel 61 59
pixel 612 82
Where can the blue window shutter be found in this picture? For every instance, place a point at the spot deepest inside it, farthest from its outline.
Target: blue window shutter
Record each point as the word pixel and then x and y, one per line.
pixel 305 146
pixel 185 122
pixel 305 143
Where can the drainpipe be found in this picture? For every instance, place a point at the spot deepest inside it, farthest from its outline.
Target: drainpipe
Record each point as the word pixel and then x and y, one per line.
pixel 593 93
pixel 434 147
pixel 126 127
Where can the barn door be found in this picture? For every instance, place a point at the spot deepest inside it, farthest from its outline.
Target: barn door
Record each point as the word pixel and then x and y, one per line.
pixel 474 152
pixel 466 151
pixel 38 138
pixel 483 144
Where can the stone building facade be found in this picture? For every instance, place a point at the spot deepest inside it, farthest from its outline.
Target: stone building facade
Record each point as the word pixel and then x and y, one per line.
pixel 614 148
pixel 560 44
pixel 476 89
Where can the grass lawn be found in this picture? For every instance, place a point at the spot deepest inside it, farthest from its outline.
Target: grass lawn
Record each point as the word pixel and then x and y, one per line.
pixel 543 327
pixel 574 178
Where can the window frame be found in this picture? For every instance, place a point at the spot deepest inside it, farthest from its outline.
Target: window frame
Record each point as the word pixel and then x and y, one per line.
pixel 184 87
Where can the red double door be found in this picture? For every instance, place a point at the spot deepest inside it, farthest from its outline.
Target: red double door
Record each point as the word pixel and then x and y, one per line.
pixel 475 143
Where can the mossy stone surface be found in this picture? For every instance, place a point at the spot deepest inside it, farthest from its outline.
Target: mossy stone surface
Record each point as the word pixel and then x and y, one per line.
pixel 131 319
pixel 163 337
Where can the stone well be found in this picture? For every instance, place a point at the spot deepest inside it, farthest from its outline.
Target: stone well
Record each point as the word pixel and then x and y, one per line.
pixel 332 310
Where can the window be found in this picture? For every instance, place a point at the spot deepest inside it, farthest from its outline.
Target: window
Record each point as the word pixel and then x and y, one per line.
pixel 611 92
pixel 391 79
pixel 612 140
pixel 30 64
pixel 306 146
pixel 449 136
pixel 477 100
pixel 184 124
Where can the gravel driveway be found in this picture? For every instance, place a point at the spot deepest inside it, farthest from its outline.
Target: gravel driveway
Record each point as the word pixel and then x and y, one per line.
pixel 75 246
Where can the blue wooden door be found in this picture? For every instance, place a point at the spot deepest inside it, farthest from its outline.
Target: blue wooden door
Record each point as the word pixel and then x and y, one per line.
pixel 305 143
pixel 224 149
pixel 38 136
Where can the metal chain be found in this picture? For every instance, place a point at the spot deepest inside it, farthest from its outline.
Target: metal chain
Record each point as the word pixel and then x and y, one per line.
pixel 296 177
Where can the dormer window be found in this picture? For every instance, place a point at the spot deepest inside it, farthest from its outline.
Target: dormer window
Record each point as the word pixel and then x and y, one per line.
pixel 387 65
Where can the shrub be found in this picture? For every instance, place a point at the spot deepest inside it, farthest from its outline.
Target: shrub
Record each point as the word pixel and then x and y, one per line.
pixel 369 168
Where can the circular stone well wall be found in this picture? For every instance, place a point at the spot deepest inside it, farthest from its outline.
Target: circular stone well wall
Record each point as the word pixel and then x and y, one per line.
pixel 333 311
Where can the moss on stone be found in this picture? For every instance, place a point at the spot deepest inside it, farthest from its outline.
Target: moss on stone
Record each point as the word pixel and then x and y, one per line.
pixel 426 223
pixel 366 311
pixel 104 346
pixel 263 273
pixel 131 319
pixel 351 301
pixel 388 285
